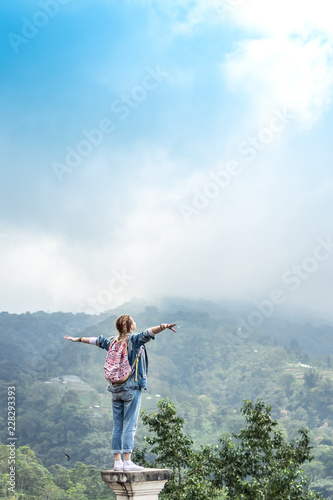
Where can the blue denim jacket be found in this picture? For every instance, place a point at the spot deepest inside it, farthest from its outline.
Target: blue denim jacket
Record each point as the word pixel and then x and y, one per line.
pixel 134 342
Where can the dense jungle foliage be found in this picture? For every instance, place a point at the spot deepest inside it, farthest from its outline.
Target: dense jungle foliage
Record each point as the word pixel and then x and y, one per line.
pixel 207 369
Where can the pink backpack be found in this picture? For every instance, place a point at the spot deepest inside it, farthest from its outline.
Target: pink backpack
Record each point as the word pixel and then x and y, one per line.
pixel 117 368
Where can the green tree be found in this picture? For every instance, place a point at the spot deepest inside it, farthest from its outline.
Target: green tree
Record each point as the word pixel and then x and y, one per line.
pixel 60 476
pixel 261 464
pixel 77 492
pixel 90 478
pixel 311 378
pixel 173 449
pixel 32 480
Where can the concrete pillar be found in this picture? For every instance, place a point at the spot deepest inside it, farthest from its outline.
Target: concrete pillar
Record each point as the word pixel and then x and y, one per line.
pixel 141 485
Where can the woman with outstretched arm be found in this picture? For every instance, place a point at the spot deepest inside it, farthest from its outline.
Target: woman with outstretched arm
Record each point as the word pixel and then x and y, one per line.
pixel 126 394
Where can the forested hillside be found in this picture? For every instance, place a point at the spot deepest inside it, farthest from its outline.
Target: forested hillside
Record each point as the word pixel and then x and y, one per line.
pixel 207 368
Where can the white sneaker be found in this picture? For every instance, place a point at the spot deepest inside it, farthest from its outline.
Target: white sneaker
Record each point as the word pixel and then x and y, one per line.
pixel 118 466
pixel 130 466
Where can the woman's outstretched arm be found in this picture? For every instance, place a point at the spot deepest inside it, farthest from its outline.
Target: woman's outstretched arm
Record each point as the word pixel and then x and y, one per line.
pixel 84 340
pixel 163 326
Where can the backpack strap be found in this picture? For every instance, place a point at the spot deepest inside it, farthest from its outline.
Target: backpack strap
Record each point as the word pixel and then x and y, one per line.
pixel 136 364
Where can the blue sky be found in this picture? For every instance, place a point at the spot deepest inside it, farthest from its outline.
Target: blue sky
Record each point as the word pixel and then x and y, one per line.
pixel 157 148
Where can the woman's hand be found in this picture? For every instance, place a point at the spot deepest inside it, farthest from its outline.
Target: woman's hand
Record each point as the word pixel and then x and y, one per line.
pixel 169 326
pixel 73 339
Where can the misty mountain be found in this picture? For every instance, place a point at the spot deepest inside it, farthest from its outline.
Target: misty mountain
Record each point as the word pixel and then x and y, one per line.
pixel 208 367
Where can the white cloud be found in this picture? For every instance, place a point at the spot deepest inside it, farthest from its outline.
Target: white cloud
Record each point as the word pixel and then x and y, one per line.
pixel 285 72
pixel 287 61
pixel 257 17
pixel 285 57
pixel 284 17
pixel 235 248
pixel 40 269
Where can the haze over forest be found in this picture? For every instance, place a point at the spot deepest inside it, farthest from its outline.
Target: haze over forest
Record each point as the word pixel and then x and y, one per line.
pixel 207 368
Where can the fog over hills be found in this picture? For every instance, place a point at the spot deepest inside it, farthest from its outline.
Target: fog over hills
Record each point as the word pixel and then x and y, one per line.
pixel 214 361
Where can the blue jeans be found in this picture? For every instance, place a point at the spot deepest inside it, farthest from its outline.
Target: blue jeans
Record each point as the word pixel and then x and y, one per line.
pixel 126 409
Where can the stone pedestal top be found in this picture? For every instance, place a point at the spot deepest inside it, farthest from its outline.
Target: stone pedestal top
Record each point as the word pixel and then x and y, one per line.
pixel 141 485
pixel 111 476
